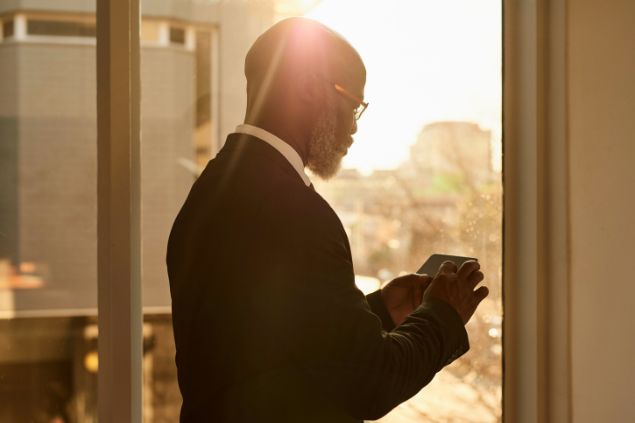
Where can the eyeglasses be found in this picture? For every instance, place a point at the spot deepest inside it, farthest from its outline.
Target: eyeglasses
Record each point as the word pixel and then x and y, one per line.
pixel 361 104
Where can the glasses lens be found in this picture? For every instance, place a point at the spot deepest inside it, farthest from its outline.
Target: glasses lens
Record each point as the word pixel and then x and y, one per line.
pixel 359 110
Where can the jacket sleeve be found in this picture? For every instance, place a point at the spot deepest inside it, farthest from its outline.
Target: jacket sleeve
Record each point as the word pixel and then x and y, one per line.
pixel 378 307
pixel 338 342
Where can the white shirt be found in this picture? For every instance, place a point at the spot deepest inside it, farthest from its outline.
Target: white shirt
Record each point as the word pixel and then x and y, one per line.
pixel 285 149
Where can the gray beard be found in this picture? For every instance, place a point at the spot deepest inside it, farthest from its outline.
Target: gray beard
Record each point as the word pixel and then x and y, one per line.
pixel 323 157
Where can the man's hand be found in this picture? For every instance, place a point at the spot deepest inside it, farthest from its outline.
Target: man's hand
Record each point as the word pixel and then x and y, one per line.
pixel 403 295
pixel 456 287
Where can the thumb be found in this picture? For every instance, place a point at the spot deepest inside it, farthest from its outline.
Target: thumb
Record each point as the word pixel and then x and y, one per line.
pixel 414 280
pixel 423 281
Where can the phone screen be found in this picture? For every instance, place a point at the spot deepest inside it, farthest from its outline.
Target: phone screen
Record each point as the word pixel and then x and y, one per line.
pixel 431 266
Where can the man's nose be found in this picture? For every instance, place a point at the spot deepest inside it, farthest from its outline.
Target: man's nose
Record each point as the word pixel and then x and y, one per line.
pixel 354 127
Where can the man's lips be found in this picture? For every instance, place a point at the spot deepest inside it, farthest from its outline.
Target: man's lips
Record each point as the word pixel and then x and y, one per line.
pixel 344 149
pixel 345 146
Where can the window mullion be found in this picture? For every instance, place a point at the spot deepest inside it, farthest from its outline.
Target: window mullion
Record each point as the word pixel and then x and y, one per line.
pixel 119 290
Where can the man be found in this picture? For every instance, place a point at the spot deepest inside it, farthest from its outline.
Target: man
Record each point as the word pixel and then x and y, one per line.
pixel 268 324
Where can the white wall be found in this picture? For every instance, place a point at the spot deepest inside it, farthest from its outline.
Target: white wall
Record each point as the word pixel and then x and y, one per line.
pixel 601 123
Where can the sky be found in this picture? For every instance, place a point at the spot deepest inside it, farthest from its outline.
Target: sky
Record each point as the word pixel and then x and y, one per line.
pixel 426 61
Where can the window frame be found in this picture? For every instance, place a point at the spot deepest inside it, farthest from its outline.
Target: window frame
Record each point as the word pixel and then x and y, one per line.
pixel 120 349
pixel 536 337
pixel 536 259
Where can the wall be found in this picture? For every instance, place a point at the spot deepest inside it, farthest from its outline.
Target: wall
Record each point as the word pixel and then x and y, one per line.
pixel 601 122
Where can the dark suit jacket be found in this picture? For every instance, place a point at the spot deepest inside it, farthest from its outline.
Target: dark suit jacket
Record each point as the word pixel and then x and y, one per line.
pixel 268 324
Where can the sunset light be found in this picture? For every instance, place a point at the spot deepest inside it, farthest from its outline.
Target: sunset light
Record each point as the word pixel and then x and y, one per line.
pixel 426 61
pixel 281 211
pixel 229 235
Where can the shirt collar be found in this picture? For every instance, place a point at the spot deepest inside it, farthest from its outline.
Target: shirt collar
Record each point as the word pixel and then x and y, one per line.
pixel 285 149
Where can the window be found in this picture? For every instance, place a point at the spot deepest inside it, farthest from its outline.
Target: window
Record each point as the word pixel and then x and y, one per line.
pixel 7 28
pixel 177 35
pixel 423 198
pixel 178 134
pixel 48 223
pixel 437 191
pixel 424 174
pixel 60 28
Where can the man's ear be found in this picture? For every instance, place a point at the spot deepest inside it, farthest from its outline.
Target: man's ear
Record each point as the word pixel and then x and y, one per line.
pixel 309 88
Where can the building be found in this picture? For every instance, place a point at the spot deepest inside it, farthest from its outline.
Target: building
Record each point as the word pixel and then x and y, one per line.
pixel 460 148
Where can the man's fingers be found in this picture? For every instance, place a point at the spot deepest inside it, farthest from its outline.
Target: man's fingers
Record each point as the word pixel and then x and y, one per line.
pixel 468 268
pixel 475 278
pixel 414 280
pixel 480 294
pixel 447 267
pixel 424 281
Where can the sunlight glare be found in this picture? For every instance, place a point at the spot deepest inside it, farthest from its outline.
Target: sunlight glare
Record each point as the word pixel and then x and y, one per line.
pixel 426 61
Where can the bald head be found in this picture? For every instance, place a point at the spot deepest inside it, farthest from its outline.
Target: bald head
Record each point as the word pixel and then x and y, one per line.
pixel 296 71
pixel 298 47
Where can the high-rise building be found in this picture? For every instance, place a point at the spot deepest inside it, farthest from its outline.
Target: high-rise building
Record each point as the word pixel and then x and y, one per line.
pixel 453 147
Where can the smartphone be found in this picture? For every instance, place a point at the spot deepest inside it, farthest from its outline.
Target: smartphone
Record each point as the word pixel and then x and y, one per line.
pixel 431 266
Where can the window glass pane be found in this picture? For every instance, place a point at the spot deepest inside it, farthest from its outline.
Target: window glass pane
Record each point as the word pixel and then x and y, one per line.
pixel 48 220
pixel 179 127
pixel 48 369
pixel 423 176
pixel 177 35
pixel 66 28
pixel 7 28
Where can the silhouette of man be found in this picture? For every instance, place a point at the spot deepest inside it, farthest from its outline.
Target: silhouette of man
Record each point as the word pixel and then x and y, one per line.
pixel 268 323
